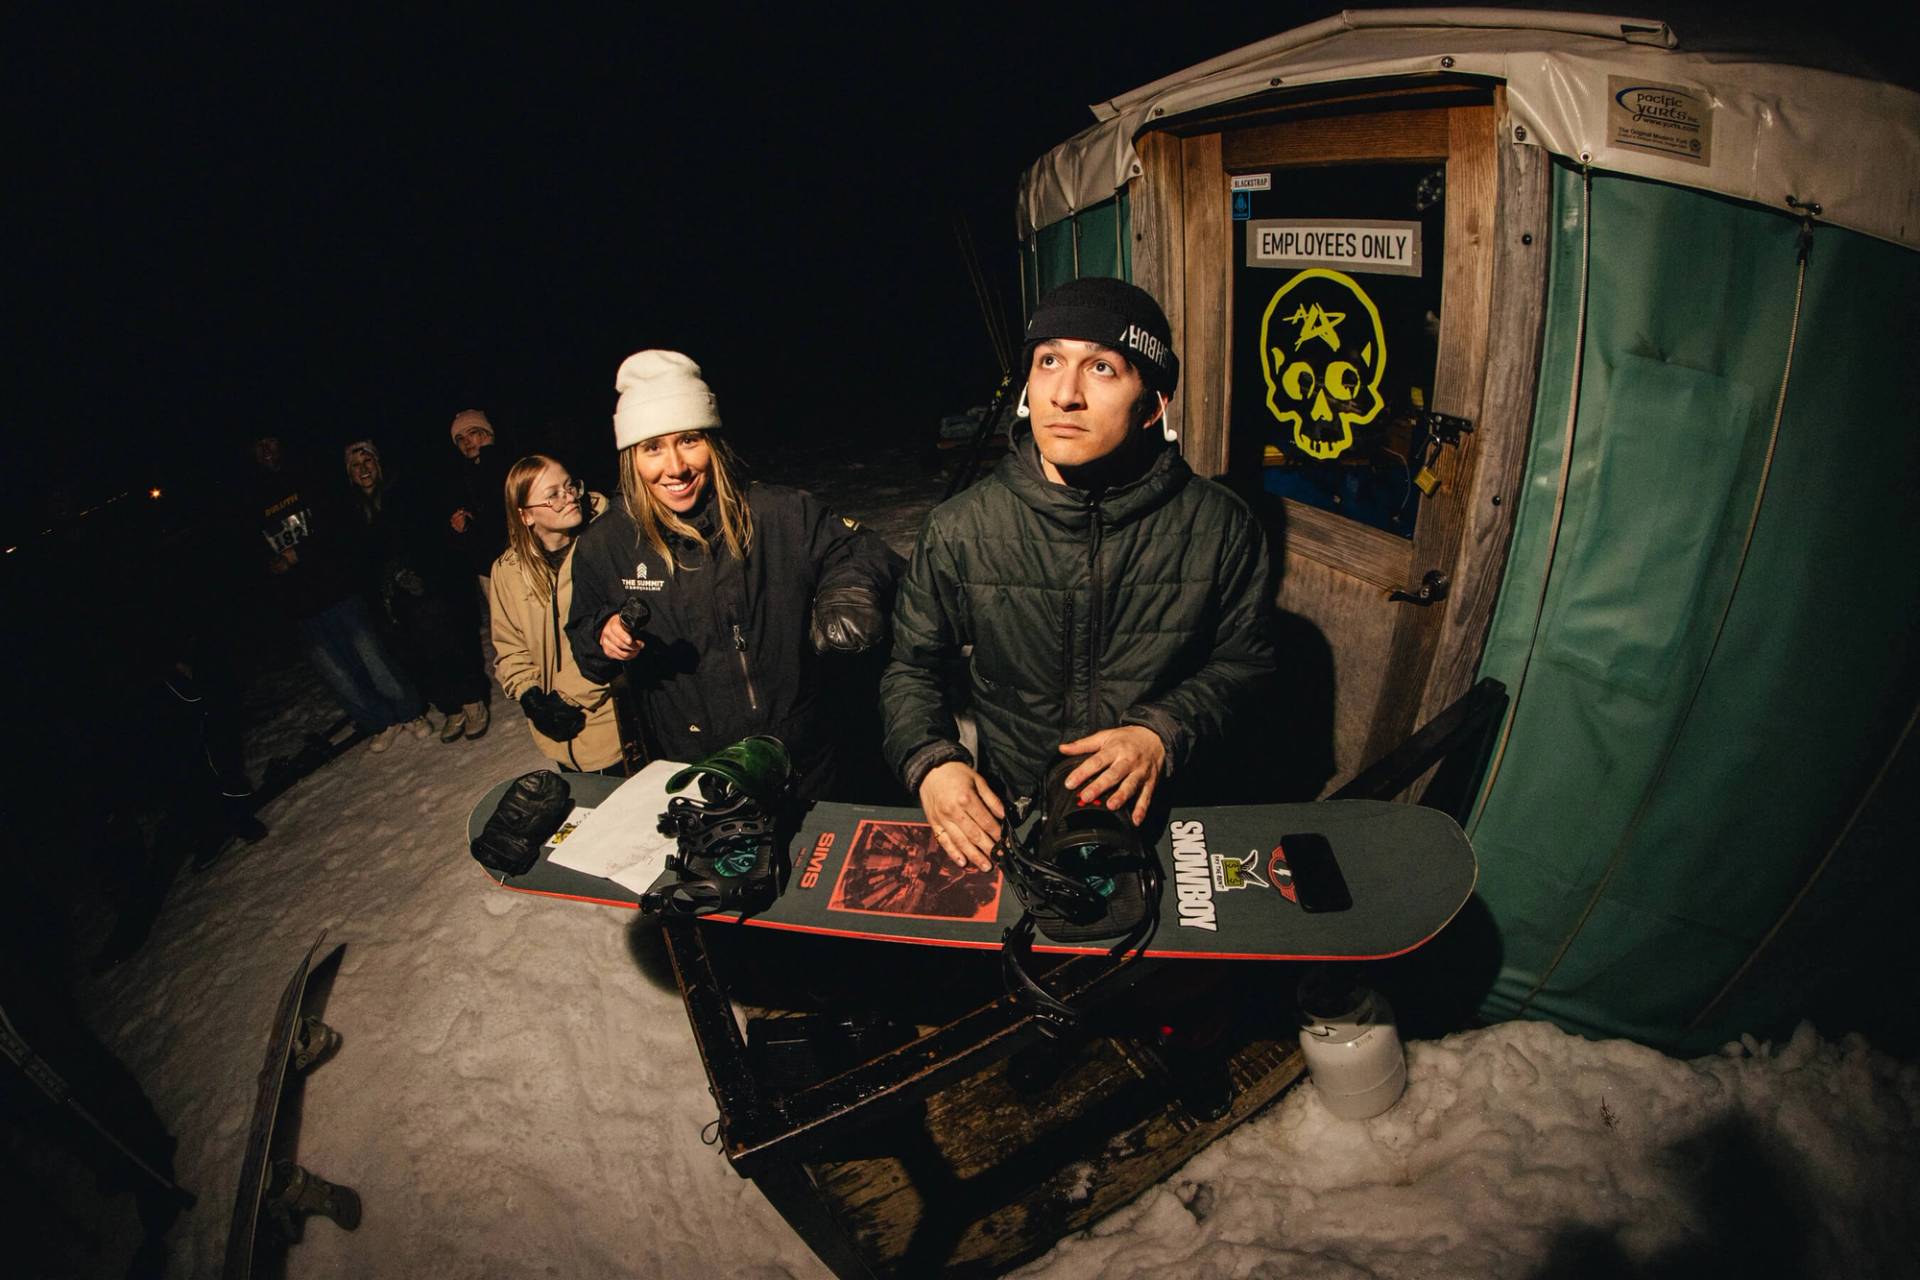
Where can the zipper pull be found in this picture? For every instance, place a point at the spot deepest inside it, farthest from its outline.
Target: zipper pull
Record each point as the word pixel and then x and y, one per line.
pixel 739 641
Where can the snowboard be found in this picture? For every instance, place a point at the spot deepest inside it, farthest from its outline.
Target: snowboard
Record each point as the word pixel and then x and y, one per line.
pixel 860 871
pixel 270 1182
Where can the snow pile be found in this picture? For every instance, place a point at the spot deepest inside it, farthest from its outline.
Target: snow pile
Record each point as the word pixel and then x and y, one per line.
pixel 518 1092
pixel 1520 1150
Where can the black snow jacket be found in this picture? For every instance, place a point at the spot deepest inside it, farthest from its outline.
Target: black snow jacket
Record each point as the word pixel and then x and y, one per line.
pixel 398 543
pixel 1145 604
pixel 477 487
pixel 727 652
pixel 295 513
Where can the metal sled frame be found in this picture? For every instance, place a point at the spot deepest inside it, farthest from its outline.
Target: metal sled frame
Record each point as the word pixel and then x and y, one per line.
pixel 924 1159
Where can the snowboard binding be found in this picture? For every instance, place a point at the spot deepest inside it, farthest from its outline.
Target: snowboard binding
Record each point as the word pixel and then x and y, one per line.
pixel 726 834
pixel 1085 872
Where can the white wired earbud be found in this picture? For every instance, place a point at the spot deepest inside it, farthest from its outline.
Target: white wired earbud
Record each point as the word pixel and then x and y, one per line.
pixel 1167 432
pixel 1020 410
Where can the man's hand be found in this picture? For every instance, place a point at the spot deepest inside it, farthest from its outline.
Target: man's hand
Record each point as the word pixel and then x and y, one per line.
pixel 616 641
pixel 460 519
pixel 1122 764
pixel 964 812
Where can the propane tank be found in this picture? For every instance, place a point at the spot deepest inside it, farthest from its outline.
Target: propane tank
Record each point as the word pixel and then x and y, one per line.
pixel 1351 1045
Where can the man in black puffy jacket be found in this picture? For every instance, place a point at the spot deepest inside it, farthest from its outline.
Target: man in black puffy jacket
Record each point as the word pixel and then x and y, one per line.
pixel 1114 603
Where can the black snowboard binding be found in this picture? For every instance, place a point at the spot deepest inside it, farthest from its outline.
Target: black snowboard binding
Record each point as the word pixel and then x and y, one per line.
pixel 1086 872
pixel 727 833
pixel 293 1195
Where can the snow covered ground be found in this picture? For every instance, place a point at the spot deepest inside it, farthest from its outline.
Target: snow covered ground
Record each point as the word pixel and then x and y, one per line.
pixel 518 1094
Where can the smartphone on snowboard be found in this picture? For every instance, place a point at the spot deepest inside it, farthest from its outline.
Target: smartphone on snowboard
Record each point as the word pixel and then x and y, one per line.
pixel 1317 882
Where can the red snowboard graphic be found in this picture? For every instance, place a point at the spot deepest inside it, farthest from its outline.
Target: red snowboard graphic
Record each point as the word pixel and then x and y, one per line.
pixel 895 869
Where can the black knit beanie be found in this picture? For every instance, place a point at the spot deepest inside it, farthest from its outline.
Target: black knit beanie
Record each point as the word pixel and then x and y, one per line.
pixel 1114 314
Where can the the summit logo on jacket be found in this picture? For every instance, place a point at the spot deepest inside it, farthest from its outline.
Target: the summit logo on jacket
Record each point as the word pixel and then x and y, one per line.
pixel 642 581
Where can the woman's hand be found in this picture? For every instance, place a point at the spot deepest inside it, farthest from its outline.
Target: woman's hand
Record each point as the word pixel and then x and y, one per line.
pixel 1122 764
pixel 617 642
pixel 553 715
pixel 965 814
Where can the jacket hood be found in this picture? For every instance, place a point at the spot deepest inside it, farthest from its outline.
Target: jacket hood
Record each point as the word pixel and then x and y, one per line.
pixel 1071 508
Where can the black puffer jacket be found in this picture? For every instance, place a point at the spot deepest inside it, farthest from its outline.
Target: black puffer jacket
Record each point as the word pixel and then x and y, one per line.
pixel 1145 605
pixel 727 652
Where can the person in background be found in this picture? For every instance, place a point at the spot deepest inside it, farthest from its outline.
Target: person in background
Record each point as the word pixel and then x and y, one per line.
pixel 303 554
pixel 407 575
pixel 479 535
pixel 746 586
pixel 530 592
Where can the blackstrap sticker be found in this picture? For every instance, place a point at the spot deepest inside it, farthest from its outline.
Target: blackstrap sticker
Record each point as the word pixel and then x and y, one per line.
pixel 1669 119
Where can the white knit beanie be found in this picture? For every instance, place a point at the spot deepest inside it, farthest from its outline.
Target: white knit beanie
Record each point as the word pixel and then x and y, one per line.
pixel 660 393
pixel 469 418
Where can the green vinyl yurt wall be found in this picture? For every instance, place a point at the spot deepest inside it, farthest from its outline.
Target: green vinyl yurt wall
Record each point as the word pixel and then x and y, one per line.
pixel 1097 241
pixel 1708 634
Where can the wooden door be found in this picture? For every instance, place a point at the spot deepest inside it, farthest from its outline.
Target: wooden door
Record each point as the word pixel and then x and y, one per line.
pixel 1350 289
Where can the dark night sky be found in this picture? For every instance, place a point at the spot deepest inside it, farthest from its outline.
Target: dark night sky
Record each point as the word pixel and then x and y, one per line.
pixel 334 228
pixel 335 225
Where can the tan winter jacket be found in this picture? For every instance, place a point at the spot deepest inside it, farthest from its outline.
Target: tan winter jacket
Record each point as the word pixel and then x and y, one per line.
pixel 529 636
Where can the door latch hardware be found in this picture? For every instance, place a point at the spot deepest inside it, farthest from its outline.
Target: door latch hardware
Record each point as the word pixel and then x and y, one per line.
pixel 1433 588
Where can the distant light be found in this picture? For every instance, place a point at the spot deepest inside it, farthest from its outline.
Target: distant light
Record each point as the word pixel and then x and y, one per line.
pixel 154 492
pixel 11 550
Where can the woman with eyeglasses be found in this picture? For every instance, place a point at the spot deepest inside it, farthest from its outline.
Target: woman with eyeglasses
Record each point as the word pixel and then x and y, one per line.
pixel 530 590
pixel 745 587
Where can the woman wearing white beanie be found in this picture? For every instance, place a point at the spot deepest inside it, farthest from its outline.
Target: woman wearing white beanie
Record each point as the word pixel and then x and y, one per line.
pixel 743 586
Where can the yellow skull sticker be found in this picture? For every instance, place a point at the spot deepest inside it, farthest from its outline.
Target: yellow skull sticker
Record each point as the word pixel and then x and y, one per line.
pixel 1323 354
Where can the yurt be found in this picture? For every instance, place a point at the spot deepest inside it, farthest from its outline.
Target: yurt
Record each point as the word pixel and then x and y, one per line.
pixel 1561 352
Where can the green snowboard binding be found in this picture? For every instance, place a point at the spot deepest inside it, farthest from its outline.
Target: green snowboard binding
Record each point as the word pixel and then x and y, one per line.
pixel 726 834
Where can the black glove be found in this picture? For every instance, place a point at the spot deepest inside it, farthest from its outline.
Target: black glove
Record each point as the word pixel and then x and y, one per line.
pixel 553 715
pixel 634 616
pixel 847 620
pixel 530 811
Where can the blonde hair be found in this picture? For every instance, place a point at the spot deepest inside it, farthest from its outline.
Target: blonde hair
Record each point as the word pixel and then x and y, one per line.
pixel 521 543
pixel 655 519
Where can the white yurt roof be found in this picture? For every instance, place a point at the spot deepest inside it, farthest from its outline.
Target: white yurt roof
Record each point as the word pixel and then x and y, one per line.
pixel 1849 144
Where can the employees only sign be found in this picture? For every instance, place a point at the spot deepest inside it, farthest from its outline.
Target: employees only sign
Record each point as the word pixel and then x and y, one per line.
pixel 1366 247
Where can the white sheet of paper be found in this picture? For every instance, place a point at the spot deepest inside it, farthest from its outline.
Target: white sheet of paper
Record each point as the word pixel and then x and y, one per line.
pixel 620 839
